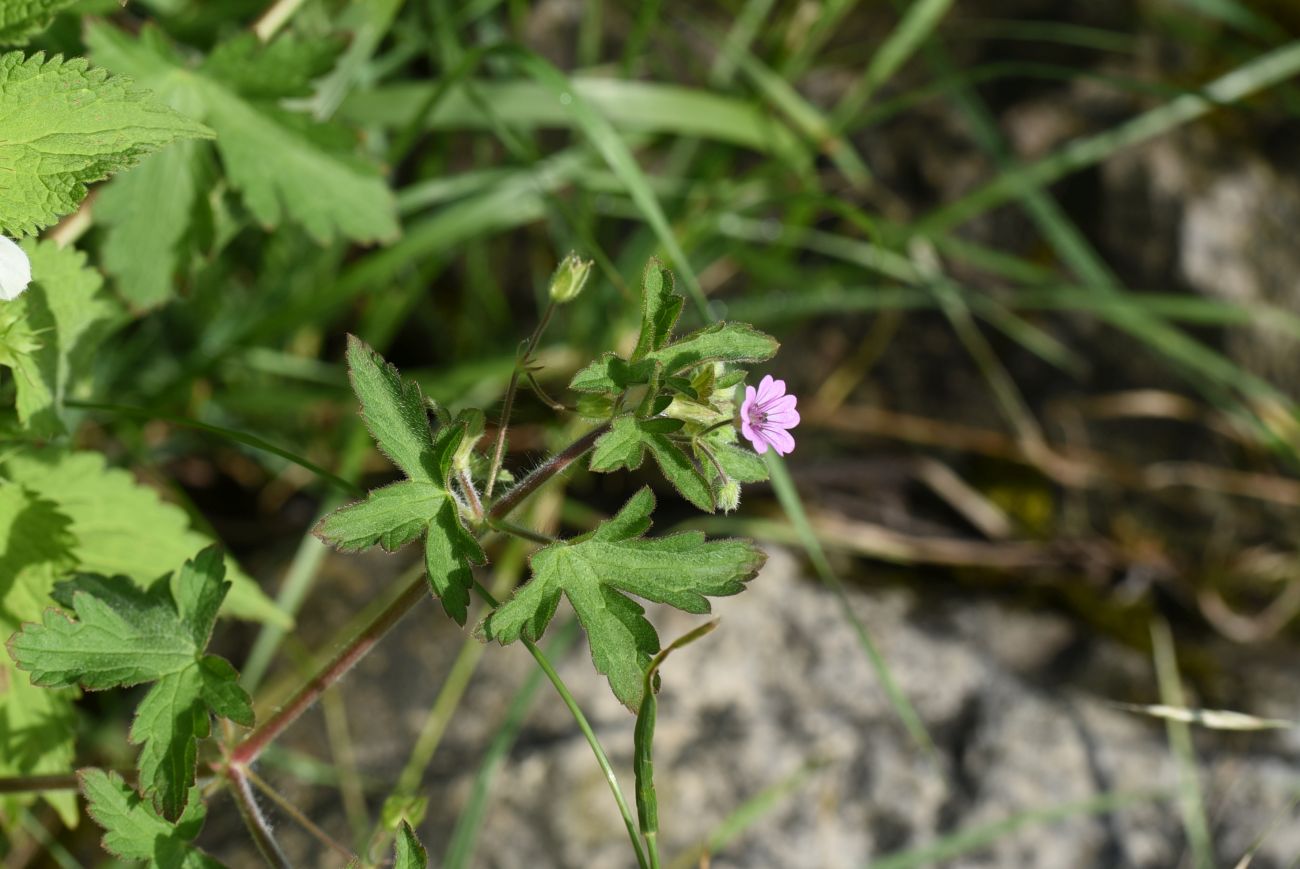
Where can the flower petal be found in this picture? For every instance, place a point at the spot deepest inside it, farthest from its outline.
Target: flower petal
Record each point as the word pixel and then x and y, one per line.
pixel 781 440
pixel 751 395
pixel 765 388
pixel 783 419
pixel 779 405
pixel 15 269
pixel 759 443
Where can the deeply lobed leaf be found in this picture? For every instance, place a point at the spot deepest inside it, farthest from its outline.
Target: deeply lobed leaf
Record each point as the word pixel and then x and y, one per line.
pixel 118 526
pixel 624 446
pixel 134 831
pixel 593 572
pixel 122 636
pixel 395 515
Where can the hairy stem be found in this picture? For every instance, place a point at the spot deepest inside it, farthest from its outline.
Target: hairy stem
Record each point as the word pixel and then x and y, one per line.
pixel 265 733
pixel 520 531
pixel 543 472
pixel 471 495
pixel 254 819
pixel 293 811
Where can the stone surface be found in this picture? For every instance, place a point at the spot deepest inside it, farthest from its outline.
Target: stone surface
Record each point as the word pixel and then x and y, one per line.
pixel 1016 700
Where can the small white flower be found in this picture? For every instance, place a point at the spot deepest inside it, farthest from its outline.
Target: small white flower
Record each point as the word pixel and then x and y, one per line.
pixel 15 270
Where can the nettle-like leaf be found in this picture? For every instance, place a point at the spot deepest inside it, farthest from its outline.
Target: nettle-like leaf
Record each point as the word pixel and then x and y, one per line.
pixel 597 571
pixel 396 415
pixel 20 19
pixel 133 830
pixel 53 331
pixel 123 635
pixel 279 161
pixel 66 125
pixel 120 527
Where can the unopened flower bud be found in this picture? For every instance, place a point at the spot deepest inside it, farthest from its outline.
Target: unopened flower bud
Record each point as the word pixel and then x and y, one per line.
pixel 729 495
pixel 569 278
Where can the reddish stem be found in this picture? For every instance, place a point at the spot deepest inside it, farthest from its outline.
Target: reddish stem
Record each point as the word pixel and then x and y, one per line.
pixel 255 742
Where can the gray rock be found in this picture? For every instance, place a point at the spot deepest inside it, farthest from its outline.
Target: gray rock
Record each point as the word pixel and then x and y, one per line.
pixel 1016 700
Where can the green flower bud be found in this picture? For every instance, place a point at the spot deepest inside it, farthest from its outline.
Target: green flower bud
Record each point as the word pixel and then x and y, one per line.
pixel 569 278
pixel 729 495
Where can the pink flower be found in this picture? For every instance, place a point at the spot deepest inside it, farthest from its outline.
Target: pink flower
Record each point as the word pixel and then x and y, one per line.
pixel 767 414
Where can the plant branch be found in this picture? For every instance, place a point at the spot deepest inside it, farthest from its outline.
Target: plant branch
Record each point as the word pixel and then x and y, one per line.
pixel 254 819
pixel 265 733
pixel 471 495
pixel 513 497
pixel 520 531
pixel 509 403
pixel 292 811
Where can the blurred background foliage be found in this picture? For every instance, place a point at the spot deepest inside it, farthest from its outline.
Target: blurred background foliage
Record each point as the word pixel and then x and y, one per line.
pixel 1032 264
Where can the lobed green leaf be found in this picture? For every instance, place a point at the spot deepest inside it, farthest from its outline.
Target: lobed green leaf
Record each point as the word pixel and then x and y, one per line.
pixel 624 446
pixel 393 516
pixel 594 572
pixel 394 412
pixel 122 636
pixel 134 831
pixel 118 526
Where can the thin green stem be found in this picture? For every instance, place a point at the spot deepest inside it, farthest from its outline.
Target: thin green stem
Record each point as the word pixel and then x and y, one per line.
pixel 585 726
pixel 507 406
pixel 652 846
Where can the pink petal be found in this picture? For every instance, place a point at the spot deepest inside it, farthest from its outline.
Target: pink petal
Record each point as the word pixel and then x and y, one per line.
pixel 779 405
pixel 783 419
pixel 750 397
pixel 760 444
pixel 765 388
pixel 748 431
pixel 781 440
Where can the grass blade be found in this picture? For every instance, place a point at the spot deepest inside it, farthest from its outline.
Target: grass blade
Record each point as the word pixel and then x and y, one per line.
pixel 918 22
pixel 1191 801
pixel 1259 74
